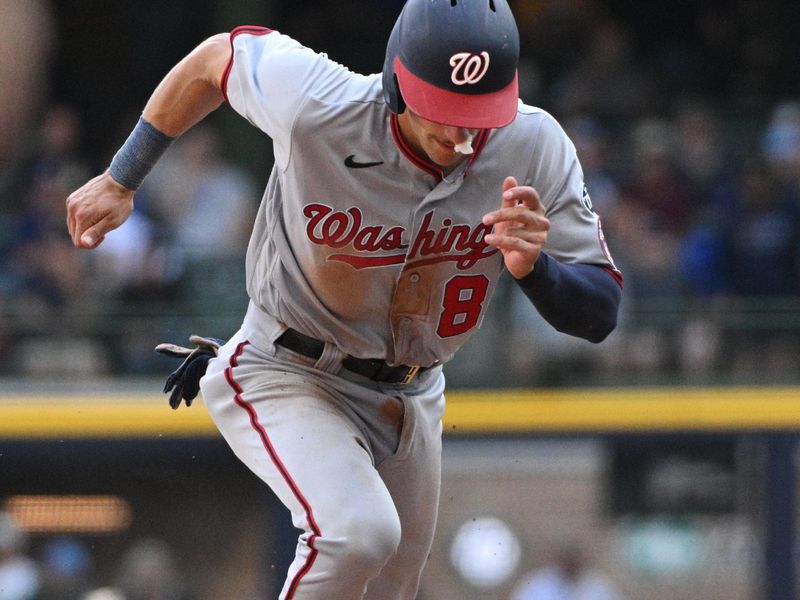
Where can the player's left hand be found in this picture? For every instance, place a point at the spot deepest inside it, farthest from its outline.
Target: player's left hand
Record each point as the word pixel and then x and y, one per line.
pixel 520 227
pixel 184 382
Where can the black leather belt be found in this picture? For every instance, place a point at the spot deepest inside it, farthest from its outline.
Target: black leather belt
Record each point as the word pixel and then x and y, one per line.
pixel 373 368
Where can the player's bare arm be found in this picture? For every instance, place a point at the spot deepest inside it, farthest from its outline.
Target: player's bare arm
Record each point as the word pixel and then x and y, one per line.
pixel 189 92
pixel 520 227
pixel 192 89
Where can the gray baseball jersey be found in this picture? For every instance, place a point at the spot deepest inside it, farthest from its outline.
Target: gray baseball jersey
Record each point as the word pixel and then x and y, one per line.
pixel 362 244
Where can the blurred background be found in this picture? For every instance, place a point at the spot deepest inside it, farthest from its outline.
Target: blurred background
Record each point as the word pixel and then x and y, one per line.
pixel 686 117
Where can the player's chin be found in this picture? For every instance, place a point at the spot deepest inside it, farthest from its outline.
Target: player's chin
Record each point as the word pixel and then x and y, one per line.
pixel 448 160
pixel 444 155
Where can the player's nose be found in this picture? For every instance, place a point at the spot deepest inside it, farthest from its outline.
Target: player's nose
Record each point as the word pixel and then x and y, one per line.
pixel 457 135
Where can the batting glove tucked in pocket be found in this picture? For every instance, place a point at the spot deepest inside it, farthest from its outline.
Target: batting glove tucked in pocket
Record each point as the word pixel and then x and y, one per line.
pixel 184 382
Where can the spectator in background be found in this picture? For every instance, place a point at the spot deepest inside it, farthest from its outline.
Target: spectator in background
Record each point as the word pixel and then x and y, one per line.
pixel 57 153
pixel 701 153
pixel 42 278
pixel 35 265
pixel 669 244
pixel 781 143
pixel 656 183
pixel 50 150
pixel 183 243
pixel 744 240
pixel 609 82
pixel 41 269
pixel 760 233
pixel 104 593
pixel 148 572
pixel 594 147
pixel 700 256
pixel 205 202
pixel 26 40
pixel 569 578
pixel 19 574
pixel 704 159
pixel 555 33
pixel 136 262
pixel 653 213
pixel 647 251
pixel 66 570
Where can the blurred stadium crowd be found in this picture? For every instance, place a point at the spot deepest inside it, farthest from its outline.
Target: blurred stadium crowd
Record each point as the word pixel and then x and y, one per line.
pixel 63 569
pixel 690 144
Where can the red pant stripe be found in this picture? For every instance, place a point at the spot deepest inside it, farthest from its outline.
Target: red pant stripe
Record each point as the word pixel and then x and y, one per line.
pixel 273 455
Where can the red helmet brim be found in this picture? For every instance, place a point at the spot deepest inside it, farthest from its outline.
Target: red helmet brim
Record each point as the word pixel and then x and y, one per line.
pixel 473 111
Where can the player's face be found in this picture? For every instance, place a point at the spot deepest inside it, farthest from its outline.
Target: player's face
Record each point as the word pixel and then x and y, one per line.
pixel 433 141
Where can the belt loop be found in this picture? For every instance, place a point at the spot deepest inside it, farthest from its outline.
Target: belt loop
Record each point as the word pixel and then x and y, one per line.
pixel 331 359
pixel 412 372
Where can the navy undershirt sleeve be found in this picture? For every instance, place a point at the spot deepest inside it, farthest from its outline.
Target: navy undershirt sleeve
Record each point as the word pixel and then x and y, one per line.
pixel 577 299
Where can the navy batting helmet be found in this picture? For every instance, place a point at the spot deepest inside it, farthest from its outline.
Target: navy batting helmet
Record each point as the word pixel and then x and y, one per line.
pixel 454 62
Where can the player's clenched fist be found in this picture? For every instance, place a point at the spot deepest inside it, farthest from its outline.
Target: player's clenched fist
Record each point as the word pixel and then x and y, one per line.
pixel 520 227
pixel 96 208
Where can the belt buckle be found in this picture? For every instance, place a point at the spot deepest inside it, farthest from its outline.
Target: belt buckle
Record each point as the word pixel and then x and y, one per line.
pixel 410 374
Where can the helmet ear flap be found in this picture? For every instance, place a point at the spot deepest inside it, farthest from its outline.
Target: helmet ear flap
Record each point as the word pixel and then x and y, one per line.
pixel 391 87
pixel 399 104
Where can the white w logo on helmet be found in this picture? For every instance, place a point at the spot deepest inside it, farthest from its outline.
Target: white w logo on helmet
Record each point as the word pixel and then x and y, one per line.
pixel 468 67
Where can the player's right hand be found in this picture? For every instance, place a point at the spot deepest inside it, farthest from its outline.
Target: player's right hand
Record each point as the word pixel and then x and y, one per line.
pixel 96 208
pixel 520 227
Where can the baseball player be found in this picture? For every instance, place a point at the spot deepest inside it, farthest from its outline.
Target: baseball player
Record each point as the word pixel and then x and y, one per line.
pixel 395 202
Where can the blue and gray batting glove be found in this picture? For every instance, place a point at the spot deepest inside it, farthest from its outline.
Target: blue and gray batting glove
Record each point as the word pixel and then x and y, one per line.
pixel 184 382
